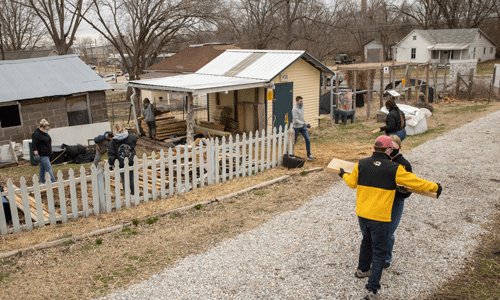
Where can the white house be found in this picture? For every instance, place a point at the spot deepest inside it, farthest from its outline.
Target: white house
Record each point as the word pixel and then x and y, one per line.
pixel 443 45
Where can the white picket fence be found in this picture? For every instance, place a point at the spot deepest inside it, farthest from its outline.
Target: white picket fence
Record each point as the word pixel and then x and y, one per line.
pixel 159 177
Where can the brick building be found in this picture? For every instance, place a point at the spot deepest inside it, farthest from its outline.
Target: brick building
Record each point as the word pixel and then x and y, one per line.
pixel 61 89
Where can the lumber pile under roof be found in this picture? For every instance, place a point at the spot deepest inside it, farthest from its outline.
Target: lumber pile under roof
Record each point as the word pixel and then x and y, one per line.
pixel 166 126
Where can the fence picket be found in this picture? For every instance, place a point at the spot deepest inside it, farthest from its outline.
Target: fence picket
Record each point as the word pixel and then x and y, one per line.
pixel 280 140
pixel 3 221
pixel 83 187
pixel 26 204
pixel 38 202
pixel 186 168
pixel 178 169
pixel 118 192
pixel 72 192
pixel 244 155
pixel 285 137
pixel 135 174
pixel 231 157
pixel 268 145
pixel 210 161
pixel 274 147
pixel 291 141
pixel 95 190
pixel 62 197
pixel 224 155
pixel 107 185
pixel 50 199
pixel 256 150
pixel 217 160
pixel 154 178
pixel 194 167
pixel 250 154
pixel 145 178
pixel 262 150
pixel 202 163
pixel 237 157
pixel 13 206
pixel 163 191
pixel 170 173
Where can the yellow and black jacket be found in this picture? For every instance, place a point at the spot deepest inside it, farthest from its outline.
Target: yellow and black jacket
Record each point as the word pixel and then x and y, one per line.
pixel 375 178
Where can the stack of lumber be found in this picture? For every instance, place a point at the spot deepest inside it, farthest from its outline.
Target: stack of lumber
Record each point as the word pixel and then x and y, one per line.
pixel 212 125
pixel 166 126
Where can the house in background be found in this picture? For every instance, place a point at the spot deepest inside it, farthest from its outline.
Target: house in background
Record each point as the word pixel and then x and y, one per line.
pixel 61 89
pixel 258 87
pixel 374 51
pixel 25 54
pixel 444 45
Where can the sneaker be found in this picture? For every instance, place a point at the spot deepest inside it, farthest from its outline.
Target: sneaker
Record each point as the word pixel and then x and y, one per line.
pixel 371 296
pixel 387 265
pixel 361 274
pixel 310 157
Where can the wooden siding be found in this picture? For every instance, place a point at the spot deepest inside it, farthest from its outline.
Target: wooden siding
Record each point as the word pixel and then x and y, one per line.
pixel 306 80
pixel 481 43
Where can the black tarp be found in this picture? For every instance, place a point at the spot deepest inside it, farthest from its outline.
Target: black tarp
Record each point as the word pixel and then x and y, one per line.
pixel 324 101
pixel 78 154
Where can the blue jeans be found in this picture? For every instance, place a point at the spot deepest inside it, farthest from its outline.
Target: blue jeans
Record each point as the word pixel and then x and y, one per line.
pixel 45 167
pixel 131 181
pixel 373 250
pixel 397 212
pixel 305 134
pixel 400 133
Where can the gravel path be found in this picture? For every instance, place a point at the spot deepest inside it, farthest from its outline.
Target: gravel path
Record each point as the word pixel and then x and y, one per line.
pixel 312 252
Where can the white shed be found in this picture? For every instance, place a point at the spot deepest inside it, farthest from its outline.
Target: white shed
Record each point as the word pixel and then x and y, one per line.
pixel 444 45
pixel 374 51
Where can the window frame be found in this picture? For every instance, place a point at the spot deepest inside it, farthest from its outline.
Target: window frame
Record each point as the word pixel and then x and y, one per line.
pixel 413 53
pixel 11 103
pixel 414 37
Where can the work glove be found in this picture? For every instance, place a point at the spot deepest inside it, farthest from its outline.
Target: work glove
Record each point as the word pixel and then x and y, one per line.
pixel 440 189
pixel 381 128
pixel 308 125
pixel 37 157
pixel 342 172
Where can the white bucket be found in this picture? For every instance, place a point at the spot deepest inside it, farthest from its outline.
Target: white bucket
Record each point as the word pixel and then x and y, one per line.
pixel 26 149
pixel 5 154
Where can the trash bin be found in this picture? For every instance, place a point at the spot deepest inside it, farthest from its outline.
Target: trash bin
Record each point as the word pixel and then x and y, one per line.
pixel 32 156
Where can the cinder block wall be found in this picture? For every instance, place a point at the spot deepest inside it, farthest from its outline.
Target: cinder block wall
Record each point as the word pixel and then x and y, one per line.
pixel 54 111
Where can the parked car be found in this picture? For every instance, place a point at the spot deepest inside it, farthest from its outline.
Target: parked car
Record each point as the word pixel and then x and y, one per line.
pixel 119 73
pixel 110 77
pixel 92 67
pixel 343 59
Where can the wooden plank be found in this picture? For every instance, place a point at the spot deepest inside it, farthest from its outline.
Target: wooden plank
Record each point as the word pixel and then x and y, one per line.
pixel 13 152
pixel 348 167
pixel 13 206
pixel 33 206
pixel 200 129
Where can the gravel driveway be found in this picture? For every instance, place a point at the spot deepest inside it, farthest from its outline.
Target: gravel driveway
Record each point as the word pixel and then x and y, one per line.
pixel 312 252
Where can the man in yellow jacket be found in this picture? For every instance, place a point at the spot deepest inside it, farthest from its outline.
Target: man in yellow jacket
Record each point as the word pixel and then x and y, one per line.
pixel 375 179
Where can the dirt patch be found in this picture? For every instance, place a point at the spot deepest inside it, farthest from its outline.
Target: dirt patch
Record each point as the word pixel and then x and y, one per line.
pixel 95 266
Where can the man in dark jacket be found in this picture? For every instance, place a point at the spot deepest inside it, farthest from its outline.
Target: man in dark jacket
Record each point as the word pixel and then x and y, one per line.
pixel 101 145
pixel 122 146
pixel 375 179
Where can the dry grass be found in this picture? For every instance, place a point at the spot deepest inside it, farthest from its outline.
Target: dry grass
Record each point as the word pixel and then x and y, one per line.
pixel 87 268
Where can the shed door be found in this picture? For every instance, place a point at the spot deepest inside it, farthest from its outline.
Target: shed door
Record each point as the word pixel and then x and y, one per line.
pixel 373 55
pixel 78 112
pixel 283 104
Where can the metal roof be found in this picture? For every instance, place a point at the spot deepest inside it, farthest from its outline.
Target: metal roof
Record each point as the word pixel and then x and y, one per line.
pixel 257 64
pixel 198 83
pixel 47 77
pixel 450 36
pixel 449 46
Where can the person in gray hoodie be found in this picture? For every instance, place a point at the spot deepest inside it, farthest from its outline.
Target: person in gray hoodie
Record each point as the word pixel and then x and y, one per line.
pixel 300 126
pixel 148 111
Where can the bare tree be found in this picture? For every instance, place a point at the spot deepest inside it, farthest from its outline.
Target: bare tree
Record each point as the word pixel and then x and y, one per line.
pixel 20 26
pixel 260 22
pixel 61 19
pixel 140 29
pixel 465 13
pixel 425 12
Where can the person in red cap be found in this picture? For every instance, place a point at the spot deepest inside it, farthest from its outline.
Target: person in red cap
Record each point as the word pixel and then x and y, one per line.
pixel 375 179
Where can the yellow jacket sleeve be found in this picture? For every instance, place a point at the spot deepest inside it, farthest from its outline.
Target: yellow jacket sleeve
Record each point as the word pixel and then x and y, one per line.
pixel 352 179
pixel 411 180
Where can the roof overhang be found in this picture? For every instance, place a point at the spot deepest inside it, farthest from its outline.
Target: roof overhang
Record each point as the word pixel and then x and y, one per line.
pixel 199 84
pixel 449 46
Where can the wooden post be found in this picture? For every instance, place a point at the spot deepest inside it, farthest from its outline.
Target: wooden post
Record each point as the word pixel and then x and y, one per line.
pixel 394 81
pixel 369 88
pixel 434 78
pixel 407 79
pixel 408 94
pixel 190 128
pixel 427 83
pixel 13 152
pixel 471 82
pixel 417 86
pixel 457 85
pixel 381 100
pixel 337 88
pixel 354 90
pixel 132 98
pixel 331 101
pixel 445 71
pixel 492 83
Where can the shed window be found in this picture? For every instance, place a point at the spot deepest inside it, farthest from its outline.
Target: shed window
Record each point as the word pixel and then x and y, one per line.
pixel 9 116
pixel 77 108
pixel 413 53
pixel 414 37
pixel 484 50
pixel 491 50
